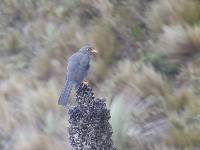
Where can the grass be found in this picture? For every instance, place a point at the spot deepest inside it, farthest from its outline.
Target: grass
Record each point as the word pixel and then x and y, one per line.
pixel 172 13
pixel 181 137
pixel 161 84
pixel 176 46
pixel 162 64
pixel 106 43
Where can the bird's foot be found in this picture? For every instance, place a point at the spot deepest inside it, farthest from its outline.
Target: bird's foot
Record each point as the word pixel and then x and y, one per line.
pixel 85 83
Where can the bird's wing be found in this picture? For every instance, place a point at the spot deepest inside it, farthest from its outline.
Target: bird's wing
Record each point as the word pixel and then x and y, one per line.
pixel 78 60
pixel 78 64
pixel 73 62
pixel 84 65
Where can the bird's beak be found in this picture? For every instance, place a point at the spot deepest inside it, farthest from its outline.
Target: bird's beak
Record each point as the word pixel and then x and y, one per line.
pixel 94 51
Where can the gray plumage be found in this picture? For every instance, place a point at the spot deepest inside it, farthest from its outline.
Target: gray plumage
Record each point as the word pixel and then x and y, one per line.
pixel 77 69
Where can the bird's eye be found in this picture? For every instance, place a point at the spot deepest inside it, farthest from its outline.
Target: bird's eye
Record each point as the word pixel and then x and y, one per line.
pixel 89 49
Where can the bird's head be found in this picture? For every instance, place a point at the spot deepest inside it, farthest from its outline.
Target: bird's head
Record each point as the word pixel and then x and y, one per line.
pixel 88 49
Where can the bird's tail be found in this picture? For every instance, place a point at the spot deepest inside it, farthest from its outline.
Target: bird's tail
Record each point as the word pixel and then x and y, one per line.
pixel 65 94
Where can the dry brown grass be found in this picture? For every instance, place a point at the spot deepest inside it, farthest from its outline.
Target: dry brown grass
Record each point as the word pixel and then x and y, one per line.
pixel 179 43
pixel 183 135
pixel 106 43
pixel 37 37
pixel 29 109
pixel 172 12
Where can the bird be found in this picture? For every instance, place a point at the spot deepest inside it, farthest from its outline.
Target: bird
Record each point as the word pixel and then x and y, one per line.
pixel 77 70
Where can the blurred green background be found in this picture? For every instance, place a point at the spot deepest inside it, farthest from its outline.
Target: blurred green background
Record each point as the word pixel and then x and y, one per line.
pixel 148 69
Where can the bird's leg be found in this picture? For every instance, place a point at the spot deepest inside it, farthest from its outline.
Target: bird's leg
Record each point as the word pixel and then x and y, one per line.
pixel 85 83
pixel 81 84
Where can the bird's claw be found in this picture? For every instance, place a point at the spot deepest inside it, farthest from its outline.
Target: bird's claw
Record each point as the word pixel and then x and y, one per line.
pixel 85 83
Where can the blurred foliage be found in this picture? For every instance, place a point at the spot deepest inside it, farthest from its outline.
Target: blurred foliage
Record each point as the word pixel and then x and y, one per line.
pixel 118 121
pixel 162 64
pixel 148 69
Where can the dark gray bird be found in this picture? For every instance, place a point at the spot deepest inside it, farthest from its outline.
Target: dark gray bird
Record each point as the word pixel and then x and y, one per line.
pixel 77 69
